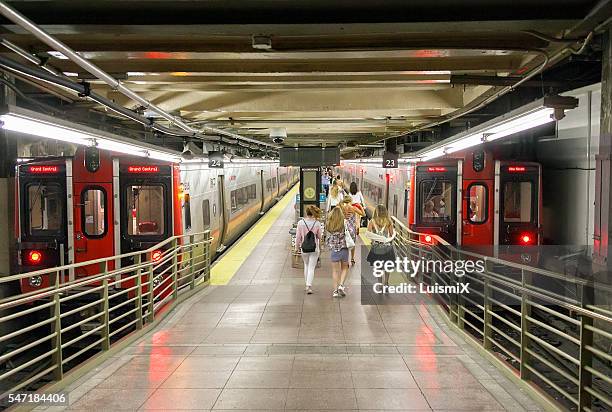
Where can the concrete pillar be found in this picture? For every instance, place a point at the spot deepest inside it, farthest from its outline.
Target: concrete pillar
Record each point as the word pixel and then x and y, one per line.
pixel 602 247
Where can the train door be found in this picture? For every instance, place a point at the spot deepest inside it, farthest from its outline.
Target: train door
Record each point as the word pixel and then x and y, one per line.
pixel 93 229
pixel 477 210
pixel 146 196
pixel 517 219
pixel 436 207
pixel 45 202
pixel 222 211
pixel 263 192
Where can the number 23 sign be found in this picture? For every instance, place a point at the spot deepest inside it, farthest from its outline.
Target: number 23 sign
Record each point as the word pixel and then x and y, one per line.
pixel 390 160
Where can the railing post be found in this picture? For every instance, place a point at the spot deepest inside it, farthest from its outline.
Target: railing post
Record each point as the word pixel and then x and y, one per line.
pixel 57 329
pixel 207 256
pixel 139 322
pixel 524 330
pixel 175 286
pixel 585 378
pixel 191 263
pixel 487 317
pixel 106 309
pixel 151 314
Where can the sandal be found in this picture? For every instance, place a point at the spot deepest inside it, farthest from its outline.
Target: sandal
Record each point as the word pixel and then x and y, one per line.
pixel 352 262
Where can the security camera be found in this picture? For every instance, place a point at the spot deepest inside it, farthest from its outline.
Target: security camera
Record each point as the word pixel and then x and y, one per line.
pixel 278 140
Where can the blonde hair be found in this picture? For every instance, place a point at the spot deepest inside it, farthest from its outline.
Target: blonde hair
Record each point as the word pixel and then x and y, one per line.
pixel 335 220
pixel 312 210
pixel 347 200
pixel 381 217
pixel 336 187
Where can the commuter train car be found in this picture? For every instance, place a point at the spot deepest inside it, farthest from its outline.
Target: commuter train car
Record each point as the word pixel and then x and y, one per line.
pixel 469 199
pixel 98 204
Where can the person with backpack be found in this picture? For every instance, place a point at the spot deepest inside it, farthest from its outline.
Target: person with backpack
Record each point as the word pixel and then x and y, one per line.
pixel 307 241
pixel 381 233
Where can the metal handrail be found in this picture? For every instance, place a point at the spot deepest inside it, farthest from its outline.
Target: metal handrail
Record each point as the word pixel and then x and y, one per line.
pixel 578 360
pixel 114 302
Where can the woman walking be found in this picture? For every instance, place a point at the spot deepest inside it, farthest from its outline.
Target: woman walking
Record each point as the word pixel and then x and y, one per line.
pixel 307 240
pixel 337 242
pixel 358 202
pixel 352 214
pixel 380 231
pixel 336 194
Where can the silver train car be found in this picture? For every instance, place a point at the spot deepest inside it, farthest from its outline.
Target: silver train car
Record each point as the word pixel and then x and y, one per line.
pixel 390 187
pixel 228 201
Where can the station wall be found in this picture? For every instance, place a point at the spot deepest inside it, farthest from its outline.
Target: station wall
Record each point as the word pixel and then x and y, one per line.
pixel 568 161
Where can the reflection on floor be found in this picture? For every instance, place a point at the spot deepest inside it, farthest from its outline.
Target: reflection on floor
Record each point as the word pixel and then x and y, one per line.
pixel 260 343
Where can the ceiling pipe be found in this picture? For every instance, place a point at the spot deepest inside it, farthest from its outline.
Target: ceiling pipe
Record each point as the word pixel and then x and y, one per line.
pixel 115 84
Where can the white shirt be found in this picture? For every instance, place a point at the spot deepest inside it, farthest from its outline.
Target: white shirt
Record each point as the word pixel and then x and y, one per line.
pixel 333 201
pixel 358 198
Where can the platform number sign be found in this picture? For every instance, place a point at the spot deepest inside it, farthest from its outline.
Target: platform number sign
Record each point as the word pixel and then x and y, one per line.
pixel 215 160
pixel 390 160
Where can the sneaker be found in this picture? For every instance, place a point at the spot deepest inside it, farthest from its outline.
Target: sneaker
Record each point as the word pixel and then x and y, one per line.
pixel 335 294
pixel 309 290
pixel 341 291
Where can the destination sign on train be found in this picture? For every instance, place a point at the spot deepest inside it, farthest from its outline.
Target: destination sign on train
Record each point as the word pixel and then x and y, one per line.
pixel 39 169
pixel 143 169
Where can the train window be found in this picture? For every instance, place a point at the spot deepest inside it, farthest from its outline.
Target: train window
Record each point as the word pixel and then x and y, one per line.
pixel 477 203
pixel 187 210
pixel 146 207
pixel 93 215
pixel 45 206
pixel 234 204
pixel 206 213
pixel 436 197
pixel 252 191
pixel 517 201
pixel 406 198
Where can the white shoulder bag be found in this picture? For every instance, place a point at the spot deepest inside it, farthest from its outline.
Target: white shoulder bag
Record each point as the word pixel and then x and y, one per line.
pixel 350 243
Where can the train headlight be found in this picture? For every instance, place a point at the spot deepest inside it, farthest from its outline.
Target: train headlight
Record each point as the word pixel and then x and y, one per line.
pixel 35 257
pixel 526 238
pixel 35 281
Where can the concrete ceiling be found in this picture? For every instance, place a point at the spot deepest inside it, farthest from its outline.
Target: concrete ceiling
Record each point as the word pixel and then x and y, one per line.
pixel 365 71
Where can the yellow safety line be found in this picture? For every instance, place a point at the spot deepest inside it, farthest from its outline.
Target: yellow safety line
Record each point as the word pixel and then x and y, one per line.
pixel 363 237
pixel 226 267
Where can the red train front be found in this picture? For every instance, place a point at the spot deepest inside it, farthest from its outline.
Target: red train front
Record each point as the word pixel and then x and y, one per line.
pixel 93 205
pixel 476 200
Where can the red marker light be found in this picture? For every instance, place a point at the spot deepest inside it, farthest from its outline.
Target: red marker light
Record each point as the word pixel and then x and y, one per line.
pixel 35 257
pixel 143 169
pixel 526 238
pixel 43 169
pixel 516 169
pixel 428 239
pixel 156 256
pixel 436 169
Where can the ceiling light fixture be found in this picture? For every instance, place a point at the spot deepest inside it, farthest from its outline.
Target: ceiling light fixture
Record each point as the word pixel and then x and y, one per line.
pixel 25 121
pixel 546 110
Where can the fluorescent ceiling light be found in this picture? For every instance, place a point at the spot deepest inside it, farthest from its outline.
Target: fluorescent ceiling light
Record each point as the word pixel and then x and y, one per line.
pixel 432 154
pixel 36 124
pixel 526 122
pixel 71 74
pixel 49 131
pixel 521 119
pixel 466 142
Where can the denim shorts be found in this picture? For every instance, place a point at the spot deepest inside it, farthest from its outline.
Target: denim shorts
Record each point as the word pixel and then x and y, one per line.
pixel 340 256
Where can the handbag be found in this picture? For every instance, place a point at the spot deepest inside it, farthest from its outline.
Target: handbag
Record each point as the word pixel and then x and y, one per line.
pixel 380 250
pixel 350 243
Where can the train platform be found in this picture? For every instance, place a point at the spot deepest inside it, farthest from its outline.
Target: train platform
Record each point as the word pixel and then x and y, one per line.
pixel 253 340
